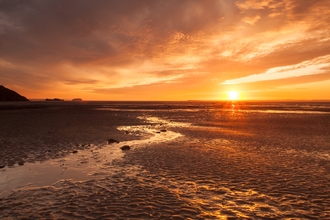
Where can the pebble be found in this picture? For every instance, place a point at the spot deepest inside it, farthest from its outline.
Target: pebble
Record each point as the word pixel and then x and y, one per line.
pixel 126 147
pixel 111 141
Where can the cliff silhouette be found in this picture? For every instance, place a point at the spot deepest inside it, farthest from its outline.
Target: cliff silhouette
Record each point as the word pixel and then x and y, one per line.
pixel 10 95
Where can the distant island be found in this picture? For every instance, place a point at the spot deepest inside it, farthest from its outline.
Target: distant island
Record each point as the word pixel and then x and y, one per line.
pixel 10 95
pixel 55 99
pixel 77 100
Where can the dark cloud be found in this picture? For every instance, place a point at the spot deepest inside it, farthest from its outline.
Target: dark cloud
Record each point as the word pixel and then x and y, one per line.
pixel 82 31
pixel 302 8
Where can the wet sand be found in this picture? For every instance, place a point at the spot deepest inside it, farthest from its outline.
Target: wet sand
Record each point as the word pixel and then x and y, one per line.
pixel 211 167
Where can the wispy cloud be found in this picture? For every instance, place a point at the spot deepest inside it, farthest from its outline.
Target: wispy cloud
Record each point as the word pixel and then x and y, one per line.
pixel 311 67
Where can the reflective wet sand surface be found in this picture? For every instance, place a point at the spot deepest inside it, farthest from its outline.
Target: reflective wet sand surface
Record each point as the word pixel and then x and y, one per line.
pixel 204 164
pixel 79 166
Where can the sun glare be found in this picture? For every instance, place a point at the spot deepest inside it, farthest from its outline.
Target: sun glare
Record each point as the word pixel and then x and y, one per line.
pixel 233 95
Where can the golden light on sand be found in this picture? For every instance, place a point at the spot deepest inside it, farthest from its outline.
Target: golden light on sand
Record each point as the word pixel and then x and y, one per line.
pixel 233 95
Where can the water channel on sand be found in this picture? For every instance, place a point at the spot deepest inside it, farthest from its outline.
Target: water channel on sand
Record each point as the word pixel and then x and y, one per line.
pixel 82 165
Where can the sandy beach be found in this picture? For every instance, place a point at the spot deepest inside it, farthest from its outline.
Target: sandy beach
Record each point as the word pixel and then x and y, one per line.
pixel 187 161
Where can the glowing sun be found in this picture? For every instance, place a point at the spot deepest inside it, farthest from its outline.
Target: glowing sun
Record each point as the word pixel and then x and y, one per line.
pixel 233 95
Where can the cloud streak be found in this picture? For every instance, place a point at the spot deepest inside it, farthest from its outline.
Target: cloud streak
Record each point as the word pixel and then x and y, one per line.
pixel 312 67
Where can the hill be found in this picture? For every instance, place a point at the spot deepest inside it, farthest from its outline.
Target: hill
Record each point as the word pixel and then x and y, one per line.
pixel 10 95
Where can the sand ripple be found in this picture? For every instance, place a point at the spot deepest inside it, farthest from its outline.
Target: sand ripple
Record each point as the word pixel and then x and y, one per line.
pixel 218 170
pixel 223 182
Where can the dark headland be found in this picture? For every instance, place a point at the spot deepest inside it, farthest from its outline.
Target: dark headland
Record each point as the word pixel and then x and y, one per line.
pixel 10 95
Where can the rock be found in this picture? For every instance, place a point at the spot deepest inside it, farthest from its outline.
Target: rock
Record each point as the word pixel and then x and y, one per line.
pixel 75 151
pixel 125 147
pixel 10 95
pixel 2 166
pixel 20 163
pixel 111 141
pixel 163 130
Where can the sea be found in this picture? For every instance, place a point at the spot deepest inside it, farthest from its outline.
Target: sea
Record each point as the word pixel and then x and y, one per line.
pixel 187 160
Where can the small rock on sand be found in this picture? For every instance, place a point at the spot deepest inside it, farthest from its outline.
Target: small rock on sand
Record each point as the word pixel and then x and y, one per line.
pixel 2 166
pixel 163 130
pixel 111 141
pixel 126 147
pixel 75 151
pixel 20 163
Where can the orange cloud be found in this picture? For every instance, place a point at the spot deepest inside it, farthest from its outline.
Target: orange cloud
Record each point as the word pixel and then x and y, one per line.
pixel 311 67
pixel 115 49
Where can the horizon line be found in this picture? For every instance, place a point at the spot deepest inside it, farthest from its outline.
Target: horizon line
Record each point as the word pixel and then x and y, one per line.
pixel 189 100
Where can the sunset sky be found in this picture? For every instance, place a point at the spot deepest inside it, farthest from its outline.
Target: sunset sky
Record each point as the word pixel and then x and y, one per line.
pixel 166 49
